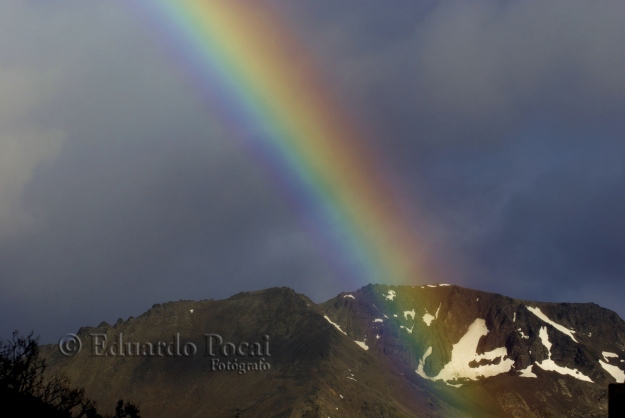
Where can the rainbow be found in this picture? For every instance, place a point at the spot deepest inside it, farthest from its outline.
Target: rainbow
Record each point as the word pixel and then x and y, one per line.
pixel 258 79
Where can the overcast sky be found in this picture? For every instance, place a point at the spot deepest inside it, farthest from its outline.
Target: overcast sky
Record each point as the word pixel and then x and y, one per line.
pixel 503 121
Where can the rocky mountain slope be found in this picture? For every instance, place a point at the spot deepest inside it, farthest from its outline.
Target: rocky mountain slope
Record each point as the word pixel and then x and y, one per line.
pixel 512 357
pixel 382 351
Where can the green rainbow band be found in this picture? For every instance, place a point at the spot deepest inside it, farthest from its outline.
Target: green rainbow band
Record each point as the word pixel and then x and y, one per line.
pixel 263 82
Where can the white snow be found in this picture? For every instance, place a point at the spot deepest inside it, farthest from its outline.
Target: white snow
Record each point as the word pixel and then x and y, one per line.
pixel 349 296
pixel 377 337
pixel 550 365
pixel 444 284
pixel 419 370
pixel 477 300
pixel 341 396
pixel 336 325
pixel 541 315
pixel 352 378
pixel 407 329
pixel 427 318
pixel 362 344
pixel 527 372
pixel 409 313
pixel 464 352
pixel 378 320
pixel 544 337
pixel 191 310
pixel 431 285
pixel 385 316
pixel 514 317
pixel 391 295
pixel 523 335
pixel 615 372
pixel 395 315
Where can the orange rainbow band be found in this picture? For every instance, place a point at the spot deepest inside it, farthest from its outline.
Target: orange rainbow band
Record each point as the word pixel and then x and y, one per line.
pixel 261 80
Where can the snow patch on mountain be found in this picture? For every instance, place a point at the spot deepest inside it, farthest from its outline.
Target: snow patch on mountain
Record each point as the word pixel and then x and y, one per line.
pixel 465 363
pixel 349 296
pixel 550 365
pixel 615 371
pixel 409 313
pixel 527 372
pixel 335 324
pixel 541 315
pixel 427 318
pixel 419 370
pixel 378 320
pixel 362 344
pixel 391 295
pixel 409 330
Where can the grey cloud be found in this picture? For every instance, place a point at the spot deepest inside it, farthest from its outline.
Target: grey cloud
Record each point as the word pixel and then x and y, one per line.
pixel 503 120
pixel 146 199
pixel 507 119
pixel 476 71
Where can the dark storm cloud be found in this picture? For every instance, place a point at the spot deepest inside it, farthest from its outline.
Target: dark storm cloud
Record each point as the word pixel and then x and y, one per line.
pixel 566 228
pixel 504 120
pixel 476 70
pixel 535 224
pixel 143 199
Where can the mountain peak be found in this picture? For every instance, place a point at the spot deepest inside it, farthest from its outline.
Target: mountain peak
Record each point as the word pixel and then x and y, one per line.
pixel 379 351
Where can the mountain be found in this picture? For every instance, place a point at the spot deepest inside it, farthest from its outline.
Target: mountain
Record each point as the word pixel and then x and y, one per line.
pixel 381 351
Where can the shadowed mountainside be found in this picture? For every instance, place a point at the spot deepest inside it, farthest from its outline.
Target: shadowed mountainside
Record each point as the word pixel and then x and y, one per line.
pixel 382 351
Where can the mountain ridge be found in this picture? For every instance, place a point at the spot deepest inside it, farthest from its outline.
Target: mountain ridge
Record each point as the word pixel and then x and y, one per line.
pixel 366 353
